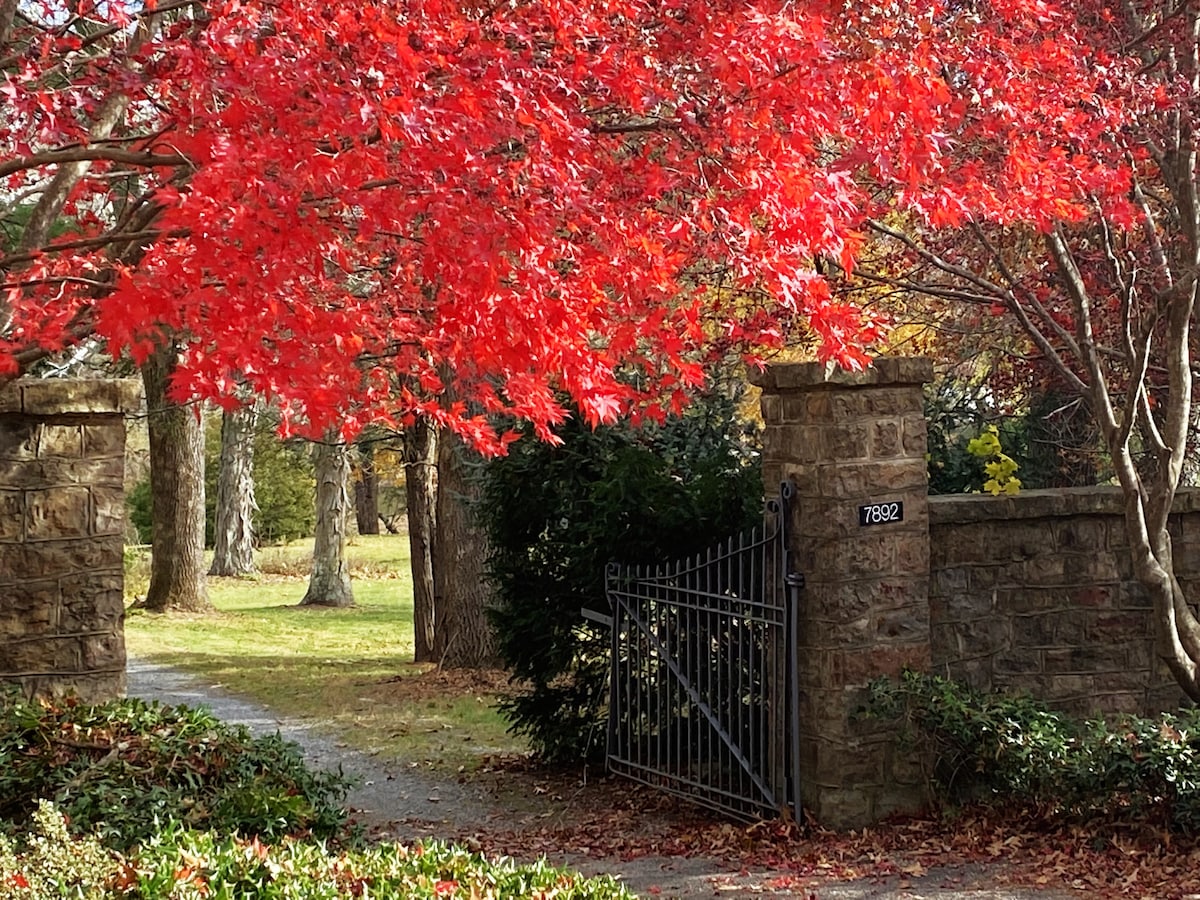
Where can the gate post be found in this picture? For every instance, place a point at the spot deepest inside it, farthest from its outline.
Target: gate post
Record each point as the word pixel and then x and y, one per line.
pixel 854 445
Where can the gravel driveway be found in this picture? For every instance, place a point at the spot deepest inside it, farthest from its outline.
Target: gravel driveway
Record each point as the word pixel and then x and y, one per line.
pixel 405 802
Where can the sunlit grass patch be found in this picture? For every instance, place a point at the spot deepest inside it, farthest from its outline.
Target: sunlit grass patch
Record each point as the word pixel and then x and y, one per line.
pixel 347 670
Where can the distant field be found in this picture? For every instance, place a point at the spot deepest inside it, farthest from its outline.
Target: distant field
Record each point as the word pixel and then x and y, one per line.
pixel 350 669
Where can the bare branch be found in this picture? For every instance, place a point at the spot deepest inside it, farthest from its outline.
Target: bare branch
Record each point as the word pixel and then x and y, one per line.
pixel 93 153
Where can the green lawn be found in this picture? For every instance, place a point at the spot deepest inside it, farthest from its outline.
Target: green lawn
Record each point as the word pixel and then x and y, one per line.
pixel 348 668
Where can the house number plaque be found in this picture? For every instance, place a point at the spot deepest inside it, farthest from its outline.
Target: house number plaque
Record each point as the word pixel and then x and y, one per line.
pixel 881 513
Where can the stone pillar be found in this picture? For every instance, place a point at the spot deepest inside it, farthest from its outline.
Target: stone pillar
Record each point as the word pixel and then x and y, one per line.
pixel 62 514
pixel 851 441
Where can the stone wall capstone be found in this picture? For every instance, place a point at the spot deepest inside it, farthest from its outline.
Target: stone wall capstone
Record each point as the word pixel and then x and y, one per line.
pixel 62 448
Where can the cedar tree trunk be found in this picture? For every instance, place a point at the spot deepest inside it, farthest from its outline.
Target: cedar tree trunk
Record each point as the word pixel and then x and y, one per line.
pixel 177 494
pixel 329 583
pixel 462 592
pixel 366 491
pixel 420 492
pixel 233 532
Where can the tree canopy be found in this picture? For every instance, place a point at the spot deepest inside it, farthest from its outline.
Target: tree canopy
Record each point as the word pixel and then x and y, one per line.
pixel 344 205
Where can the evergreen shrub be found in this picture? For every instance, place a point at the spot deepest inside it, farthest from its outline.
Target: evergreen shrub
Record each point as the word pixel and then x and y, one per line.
pixel 1013 748
pixel 555 516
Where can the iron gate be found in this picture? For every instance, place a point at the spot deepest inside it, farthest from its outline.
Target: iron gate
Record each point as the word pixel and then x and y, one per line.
pixel 703 698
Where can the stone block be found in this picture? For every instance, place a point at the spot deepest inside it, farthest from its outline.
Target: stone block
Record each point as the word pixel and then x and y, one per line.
pixel 1117 702
pixel 1018 661
pixel 19 438
pixel 41 473
pixel 885 439
pixel 795 410
pixel 903 625
pixel 10 399
pixel 90 687
pixel 1081 535
pixel 985 579
pixel 860 666
pixel 107 510
pixel 912 556
pixel 1033 599
pixel 845 442
pixel 857 764
pixel 805 479
pixel 893 403
pixel 771 406
pixel 91 603
pixel 964 545
pixel 1133 682
pixel 975 672
pixel 914 436
pixel 1044 571
pixel 1035 630
pixel 63 396
pixel 847 483
pixel 60 441
pixel 43 654
pixel 832 635
pixel 948 581
pixel 1084 660
pixel 838 808
pixel 55 513
pixel 975 639
pixel 1129 595
pixel 840 601
pixel 842 407
pixel 1110 628
pixel 1142 655
pixel 104 441
pixel 50 559
pixel 1116 537
pixel 12 516
pixel 855 558
pixel 818 407
pixel 1097 567
pixel 103 651
pixel 1071 692
pixel 1092 597
pixel 795 443
pixel 29 608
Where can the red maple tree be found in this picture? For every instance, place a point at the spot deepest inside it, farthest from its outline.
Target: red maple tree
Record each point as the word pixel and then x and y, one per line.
pixel 347 205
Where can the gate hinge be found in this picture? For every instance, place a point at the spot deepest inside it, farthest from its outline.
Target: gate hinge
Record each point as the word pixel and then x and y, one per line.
pixel 795 580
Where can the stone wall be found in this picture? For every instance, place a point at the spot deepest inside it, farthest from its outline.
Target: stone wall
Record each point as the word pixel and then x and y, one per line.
pixel 62 446
pixel 1036 593
pixel 1033 592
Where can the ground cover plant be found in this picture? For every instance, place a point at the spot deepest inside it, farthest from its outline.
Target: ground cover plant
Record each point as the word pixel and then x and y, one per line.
pixel 347 670
pixel 167 803
pixel 1013 749
pixel 178 863
pixel 123 768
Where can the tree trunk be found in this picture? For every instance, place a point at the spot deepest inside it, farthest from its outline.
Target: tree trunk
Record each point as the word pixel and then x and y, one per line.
pixel 462 592
pixel 177 494
pixel 329 583
pixel 366 491
pixel 233 532
pixel 420 492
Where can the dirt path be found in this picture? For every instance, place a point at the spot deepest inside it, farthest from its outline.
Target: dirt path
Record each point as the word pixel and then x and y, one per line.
pixel 402 801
